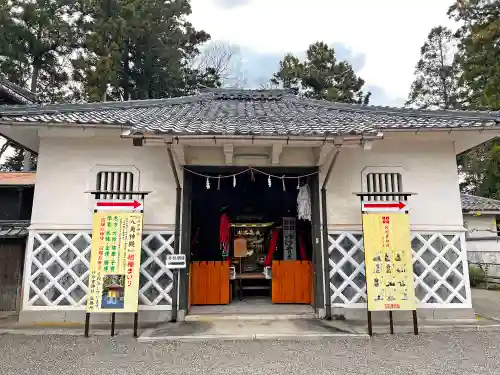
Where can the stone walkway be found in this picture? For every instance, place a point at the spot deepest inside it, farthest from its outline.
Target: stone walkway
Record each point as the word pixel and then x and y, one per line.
pixel 445 353
pixel 486 303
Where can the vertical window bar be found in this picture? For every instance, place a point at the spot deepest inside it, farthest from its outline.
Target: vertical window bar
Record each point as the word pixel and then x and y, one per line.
pixel 383 186
pixel 98 184
pixel 109 184
pixel 377 184
pixel 129 184
pixel 103 186
pixel 371 185
pixel 116 184
pixel 122 186
pixel 388 184
pixel 399 186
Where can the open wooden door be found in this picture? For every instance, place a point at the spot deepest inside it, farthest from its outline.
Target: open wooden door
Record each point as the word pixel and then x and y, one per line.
pixel 209 283
pixel 292 282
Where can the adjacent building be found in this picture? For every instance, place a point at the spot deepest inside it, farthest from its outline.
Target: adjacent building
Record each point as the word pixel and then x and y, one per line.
pixel 481 219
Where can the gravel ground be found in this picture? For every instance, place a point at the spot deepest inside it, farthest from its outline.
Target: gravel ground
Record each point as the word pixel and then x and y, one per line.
pixel 441 353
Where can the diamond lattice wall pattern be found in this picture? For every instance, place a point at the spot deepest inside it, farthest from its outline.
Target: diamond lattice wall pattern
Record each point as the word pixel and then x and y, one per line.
pixel 57 269
pixel 440 269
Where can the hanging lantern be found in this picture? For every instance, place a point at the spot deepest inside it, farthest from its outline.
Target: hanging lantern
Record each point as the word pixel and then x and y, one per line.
pixel 234 181
pixel 208 184
pixel 269 181
pixel 283 182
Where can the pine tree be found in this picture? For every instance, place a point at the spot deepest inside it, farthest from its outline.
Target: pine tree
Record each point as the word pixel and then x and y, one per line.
pixel 36 38
pixel 321 76
pixel 478 60
pixel 139 49
pixel 479 51
pixel 436 74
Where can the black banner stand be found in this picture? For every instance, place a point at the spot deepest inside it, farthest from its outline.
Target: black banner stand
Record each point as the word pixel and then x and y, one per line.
pixel 404 196
pixel 97 195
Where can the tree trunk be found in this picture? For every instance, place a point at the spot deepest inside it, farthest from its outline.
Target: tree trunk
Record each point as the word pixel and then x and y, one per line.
pixel 27 161
pixel 443 77
pixel 34 78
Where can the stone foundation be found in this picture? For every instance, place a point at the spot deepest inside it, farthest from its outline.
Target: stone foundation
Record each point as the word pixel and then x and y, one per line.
pixel 78 317
pixel 423 314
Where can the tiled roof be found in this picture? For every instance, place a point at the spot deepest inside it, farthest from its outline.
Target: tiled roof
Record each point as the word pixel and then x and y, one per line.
pixel 17 178
pixel 246 112
pixel 11 93
pixel 14 229
pixel 479 204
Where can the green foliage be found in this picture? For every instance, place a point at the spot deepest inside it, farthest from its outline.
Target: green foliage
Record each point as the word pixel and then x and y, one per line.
pixel 478 54
pixel 321 76
pixel 476 276
pixel 462 70
pixel 478 59
pixel 36 38
pixel 138 50
pixel 436 73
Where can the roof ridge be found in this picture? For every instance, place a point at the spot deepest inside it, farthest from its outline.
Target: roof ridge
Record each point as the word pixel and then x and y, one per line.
pixel 289 95
pixel 480 197
pixel 491 115
pixel 24 95
pixel 23 109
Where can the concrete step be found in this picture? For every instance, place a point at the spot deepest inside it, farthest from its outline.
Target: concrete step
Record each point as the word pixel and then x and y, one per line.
pixel 267 317
pixel 231 329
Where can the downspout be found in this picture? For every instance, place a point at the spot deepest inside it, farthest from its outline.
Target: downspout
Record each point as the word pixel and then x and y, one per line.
pixel 177 231
pixel 324 219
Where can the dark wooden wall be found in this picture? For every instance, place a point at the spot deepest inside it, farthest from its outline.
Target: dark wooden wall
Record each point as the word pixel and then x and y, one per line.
pixel 16 202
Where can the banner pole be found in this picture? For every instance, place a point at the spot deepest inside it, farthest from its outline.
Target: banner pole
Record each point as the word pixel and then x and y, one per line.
pixel 113 316
pixel 391 323
pixel 136 323
pixel 415 322
pixel 370 326
pixel 87 324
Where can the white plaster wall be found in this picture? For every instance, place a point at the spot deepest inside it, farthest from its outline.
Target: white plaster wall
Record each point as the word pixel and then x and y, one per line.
pixel 480 226
pixel 64 174
pixel 245 156
pixel 428 168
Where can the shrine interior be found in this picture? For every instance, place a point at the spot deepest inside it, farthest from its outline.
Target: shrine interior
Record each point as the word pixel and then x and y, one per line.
pixel 263 220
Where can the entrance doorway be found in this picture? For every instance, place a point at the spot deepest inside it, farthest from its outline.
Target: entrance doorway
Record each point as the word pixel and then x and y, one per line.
pixel 250 250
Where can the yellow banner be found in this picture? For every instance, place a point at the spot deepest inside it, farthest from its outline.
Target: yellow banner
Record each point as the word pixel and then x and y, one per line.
pixel 388 259
pixel 115 262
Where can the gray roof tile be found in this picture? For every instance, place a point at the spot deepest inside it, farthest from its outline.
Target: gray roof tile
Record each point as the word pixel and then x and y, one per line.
pixel 479 204
pixel 247 112
pixel 14 229
pixel 11 93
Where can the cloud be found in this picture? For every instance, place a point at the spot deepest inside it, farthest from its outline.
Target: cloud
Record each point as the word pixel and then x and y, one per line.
pixel 258 68
pixel 385 34
pixel 228 4
pixel 381 97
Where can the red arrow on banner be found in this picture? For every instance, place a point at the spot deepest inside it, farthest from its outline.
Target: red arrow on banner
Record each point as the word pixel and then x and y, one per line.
pixel 399 205
pixel 133 204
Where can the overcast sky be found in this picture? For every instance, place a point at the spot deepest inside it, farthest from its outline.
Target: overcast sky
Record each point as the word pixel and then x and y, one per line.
pixel 381 39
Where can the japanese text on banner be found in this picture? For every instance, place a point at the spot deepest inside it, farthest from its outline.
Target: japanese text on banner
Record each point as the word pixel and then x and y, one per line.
pixel 388 259
pixel 115 262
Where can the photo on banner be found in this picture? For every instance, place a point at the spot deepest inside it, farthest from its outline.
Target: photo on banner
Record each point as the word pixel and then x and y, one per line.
pixel 115 262
pixel 389 263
